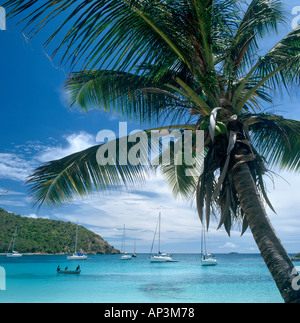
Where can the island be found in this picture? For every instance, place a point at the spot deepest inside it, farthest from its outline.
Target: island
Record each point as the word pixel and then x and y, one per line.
pixel 46 236
pixel 296 258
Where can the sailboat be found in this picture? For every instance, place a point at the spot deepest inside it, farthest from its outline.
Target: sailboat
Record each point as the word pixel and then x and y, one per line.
pixel 160 257
pixel 77 255
pixel 11 253
pixel 124 256
pixel 206 258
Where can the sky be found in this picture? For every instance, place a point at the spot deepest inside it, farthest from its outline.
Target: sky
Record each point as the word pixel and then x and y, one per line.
pixel 37 126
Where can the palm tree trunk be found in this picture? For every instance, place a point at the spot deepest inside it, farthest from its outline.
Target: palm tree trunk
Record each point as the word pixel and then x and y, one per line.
pixel 270 246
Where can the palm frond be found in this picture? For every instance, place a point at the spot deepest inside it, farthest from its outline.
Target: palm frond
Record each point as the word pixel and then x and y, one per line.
pixel 280 66
pixel 181 177
pixel 123 34
pixel 58 182
pixel 181 162
pixel 107 32
pixel 277 139
pixel 262 17
pixel 138 98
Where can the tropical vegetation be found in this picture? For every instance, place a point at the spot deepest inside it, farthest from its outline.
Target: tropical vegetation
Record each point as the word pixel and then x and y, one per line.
pixel 45 236
pixel 196 64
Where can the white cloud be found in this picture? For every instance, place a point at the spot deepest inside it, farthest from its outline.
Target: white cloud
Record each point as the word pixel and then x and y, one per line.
pixel 106 214
pixel 75 142
pixel 285 199
pixel 34 216
pixel 138 210
pixel 17 166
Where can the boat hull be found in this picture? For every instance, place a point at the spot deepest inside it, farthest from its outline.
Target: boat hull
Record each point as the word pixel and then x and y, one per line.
pixel 209 262
pixel 69 272
pixel 162 259
pixel 126 257
pixel 75 257
pixel 14 255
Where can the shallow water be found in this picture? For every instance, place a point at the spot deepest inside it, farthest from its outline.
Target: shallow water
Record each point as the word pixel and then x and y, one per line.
pixel 107 279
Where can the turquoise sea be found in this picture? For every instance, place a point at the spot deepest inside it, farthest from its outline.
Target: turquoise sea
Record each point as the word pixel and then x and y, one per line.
pixel 238 278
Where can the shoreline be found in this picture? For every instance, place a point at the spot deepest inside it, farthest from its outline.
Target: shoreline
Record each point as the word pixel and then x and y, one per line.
pixel 61 254
pixel 293 258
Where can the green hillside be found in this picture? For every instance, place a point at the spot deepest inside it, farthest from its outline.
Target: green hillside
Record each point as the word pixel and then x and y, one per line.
pixel 48 236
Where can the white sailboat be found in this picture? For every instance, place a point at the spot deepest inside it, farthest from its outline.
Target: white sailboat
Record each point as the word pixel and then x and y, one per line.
pixel 124 255
pixel 11 253
pixel 77 255
pixel 206 258
pixel 160 257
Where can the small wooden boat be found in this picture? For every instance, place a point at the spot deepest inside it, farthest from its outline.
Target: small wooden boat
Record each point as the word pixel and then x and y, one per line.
pixel 69 272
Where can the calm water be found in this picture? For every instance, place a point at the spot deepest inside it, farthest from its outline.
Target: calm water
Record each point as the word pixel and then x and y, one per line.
pixel 107 279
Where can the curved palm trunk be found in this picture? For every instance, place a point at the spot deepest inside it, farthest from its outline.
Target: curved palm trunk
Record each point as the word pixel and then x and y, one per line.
pixel 270 246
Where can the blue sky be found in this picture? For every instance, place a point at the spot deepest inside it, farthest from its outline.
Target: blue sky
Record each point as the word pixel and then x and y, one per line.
pixel 37 127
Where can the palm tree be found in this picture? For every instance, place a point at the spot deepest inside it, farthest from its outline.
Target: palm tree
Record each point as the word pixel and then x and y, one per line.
pixel 194 64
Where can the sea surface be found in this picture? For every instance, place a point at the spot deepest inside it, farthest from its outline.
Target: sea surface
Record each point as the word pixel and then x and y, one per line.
pixel 238 278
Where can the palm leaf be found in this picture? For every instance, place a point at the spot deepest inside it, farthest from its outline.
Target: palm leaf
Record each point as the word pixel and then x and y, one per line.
pixel 138 98
pixel 280 66
pixel 80 174
pixel 96 30
pixel 277 139
pixel 123 34
pixel 181 176
pixel 58 182
pixel 262 17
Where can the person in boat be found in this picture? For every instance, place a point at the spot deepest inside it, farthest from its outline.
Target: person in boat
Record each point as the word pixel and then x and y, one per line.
pixel 78 268
pixel 58 268
pixel 66 268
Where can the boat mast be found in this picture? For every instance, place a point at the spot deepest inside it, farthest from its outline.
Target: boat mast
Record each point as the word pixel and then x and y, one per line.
pixel 203 239
pixel 76 237
pixel 12 242
pixel 159 233
pixel 154 237
pixel 15 235
pixel 123 241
